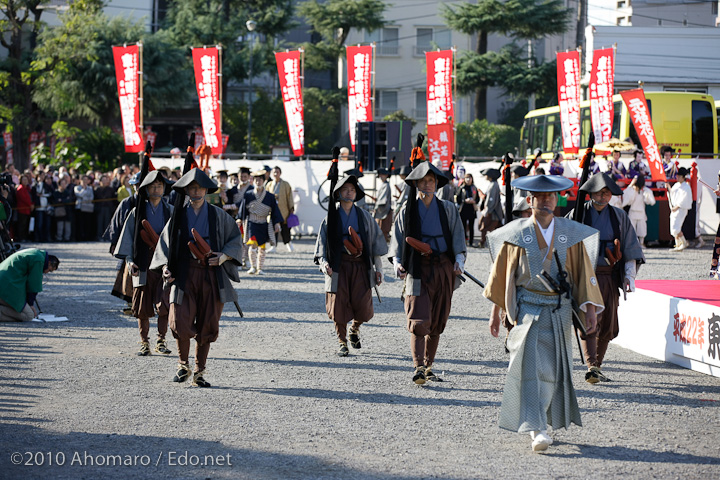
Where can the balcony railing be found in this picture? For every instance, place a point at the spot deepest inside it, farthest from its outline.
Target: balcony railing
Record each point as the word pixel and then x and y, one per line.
pixel 388 50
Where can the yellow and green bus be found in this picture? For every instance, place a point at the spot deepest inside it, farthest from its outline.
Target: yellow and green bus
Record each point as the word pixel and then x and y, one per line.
pixel 688 122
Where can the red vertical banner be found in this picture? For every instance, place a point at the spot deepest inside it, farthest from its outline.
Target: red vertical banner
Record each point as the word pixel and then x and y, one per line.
pixel 127 75
pixel 439 87
pixel 150 136
pixel 440 144
pixel 359 64
pixel 205 61
pixel 288 64
pixel 602 83
pixel 440 113
pixel 640 115
pixel 225 139
pixel 568 81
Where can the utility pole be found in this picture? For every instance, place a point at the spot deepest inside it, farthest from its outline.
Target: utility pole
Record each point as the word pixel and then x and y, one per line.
pixel 582 13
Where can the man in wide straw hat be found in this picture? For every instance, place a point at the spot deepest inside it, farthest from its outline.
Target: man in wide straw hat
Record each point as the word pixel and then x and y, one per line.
pixel 137 250
pixel 200 282
pixel 619 257
pixel 542 265
pixel 350 258
pixel 430 268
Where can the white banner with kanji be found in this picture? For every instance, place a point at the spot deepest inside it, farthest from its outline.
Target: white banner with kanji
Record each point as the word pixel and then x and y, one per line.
pixel 205 62
pixel 359 85
pixel 568 82
pixel 128 84
pixel 288 64
pixel 439 87
pixel 602 81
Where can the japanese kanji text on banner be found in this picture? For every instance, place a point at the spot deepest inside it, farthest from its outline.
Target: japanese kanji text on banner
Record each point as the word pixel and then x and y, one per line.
pixel 440 144
pixel 205 61
pixel 439 87
pixel 359 64
pixel 602 80
pixel 288 64
pixel 126 73
pixel 640 115
pixel 568 80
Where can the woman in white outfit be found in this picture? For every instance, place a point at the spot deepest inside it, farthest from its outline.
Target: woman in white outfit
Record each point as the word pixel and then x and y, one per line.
pixel 637 195
pixel 680 205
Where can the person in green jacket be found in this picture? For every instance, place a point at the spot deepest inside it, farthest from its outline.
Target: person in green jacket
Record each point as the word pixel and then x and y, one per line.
pixel 21 276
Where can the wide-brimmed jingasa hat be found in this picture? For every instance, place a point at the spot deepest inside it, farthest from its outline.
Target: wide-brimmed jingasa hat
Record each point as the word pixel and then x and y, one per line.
pixel 258 173
pixel 543 183
pixel 153 177
pixel 405 170
pixel 599 181
pixel 198 176
pixel 519 170
pixel 423 169
pixel 493 173
pixel 354 171
pixel 683 171
pixel 351 179
pixel 382 171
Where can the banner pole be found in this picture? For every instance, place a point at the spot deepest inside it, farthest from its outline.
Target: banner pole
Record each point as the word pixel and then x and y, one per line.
pixel 141 102
pixel 372 72
pixel 454 88
pixel 302 85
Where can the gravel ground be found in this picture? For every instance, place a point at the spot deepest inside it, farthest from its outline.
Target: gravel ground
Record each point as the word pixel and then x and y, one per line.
pixel 75 401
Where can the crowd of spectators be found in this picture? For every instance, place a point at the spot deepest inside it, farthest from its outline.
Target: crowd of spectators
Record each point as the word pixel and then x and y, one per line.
pixel 54 204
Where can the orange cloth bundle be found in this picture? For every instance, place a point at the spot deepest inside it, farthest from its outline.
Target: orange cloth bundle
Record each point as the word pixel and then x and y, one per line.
pixel 421 247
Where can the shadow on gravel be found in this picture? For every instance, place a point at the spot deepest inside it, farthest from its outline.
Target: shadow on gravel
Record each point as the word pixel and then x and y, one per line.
pixel 626 454
pixel 371 398
pixel 37 453
pixel 16 392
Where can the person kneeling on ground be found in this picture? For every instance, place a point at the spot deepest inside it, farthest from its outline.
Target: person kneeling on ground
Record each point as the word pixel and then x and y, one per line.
pixel 21 277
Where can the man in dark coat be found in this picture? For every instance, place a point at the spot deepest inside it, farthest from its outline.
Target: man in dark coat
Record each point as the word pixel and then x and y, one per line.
pixel 619 257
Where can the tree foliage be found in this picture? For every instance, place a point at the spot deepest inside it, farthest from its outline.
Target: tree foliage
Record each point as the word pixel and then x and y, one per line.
pixel 481 138
pixel 194 23
pixel 80 73
pixel 507 68
pixel 332 21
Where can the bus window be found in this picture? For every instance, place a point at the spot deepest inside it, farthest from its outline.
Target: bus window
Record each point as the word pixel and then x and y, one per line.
pixel 702 127
pixel 538 133
pixel 525 140
pixel 553 134
pixel 633 134
pixel 617 111
pixel 585 127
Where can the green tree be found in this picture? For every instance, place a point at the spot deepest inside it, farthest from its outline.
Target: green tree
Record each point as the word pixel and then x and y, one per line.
pixel 194 23
pixel 520 19
pixel 19 27
pixel 80 73
pixel 482 138
pixel 332 21
pixel 399 116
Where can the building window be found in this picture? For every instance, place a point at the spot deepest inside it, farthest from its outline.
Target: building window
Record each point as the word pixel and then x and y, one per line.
pixel 386 40
pixel 420 111
pixel 430 38
pixel 621 4
pixel 714 8
pixel 659 21
pixel 388 103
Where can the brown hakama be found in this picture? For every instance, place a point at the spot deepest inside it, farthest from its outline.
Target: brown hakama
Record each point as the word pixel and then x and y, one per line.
pixel 146 299
pixel 428 313
pixel 353 299
pixel 198 316
pixel 608 326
